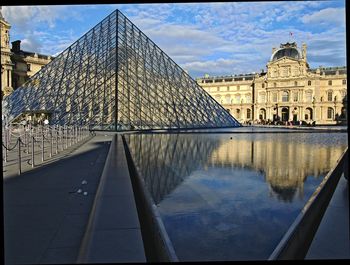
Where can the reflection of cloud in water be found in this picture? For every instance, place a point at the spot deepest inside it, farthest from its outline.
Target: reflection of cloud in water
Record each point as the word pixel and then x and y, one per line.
pixel 219 210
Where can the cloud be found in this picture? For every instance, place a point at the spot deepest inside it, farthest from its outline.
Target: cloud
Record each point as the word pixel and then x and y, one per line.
pixel 31 44
pixel 214 38
pixel 24 17
pixel 221 66
pixel 328 16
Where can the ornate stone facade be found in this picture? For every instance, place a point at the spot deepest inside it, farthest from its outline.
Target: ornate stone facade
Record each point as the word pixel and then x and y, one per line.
pixel 288 91
pixel 17 66
pixel 6 63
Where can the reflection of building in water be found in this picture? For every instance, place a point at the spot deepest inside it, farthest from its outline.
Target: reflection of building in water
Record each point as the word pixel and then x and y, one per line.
pixel 165 160
pixel 285 164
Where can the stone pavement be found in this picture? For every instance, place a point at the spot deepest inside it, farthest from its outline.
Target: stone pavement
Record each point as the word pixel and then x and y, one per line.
pixel 45 214
pixel 113 233
pixel 332 239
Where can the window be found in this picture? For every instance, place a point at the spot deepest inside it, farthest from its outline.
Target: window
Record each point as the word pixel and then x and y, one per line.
pixel 344 81
pixel 28 67
pixel 274 85
pixel 274 97
pixel 228 99
pixel 308 96
pixel 248 98
pixel 238 113
pixel 309 83
pixel 262 97
pixel 248 113
pixel 285 96
pixel 329 82
pixel 330 113
pixel 295 96
pixel 329 95
pixel 263 85
pixel 228 88
pixel 218 89
pixel 295 83
pixel 238 87
pixel 238 98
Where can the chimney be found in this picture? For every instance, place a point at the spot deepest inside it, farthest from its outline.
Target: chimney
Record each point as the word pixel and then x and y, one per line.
pixel 304 51
pixel 16 46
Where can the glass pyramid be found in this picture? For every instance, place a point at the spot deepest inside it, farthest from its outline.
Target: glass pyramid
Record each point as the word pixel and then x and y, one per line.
pixel 115 78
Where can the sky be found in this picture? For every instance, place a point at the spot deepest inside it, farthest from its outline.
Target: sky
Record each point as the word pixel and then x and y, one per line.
pixel 215 38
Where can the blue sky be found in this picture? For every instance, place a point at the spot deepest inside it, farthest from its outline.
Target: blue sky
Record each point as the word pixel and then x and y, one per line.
pixel 214 38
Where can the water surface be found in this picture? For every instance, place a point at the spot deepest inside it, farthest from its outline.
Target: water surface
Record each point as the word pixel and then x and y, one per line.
pixel 232 196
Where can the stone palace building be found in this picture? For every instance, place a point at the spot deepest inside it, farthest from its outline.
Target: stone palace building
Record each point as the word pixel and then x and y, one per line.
pixel 17 66
pixel 288 91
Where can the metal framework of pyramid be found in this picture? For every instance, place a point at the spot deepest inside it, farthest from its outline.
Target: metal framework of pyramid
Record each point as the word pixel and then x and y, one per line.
pixel 115 78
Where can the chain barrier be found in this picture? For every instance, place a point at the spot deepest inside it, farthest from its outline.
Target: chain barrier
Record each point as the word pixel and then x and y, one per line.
pixel 26 137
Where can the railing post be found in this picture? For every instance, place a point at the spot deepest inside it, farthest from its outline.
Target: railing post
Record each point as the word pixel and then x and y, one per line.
pixel 50 144
pixel 25 140
pixel 33 142
pixel 7 142
pixel 42 147
pixel 66 133
pixel 6 145
pixel 56 152
pixel 19 156
pixel 75 134
pixel 71 136
pixel 61 138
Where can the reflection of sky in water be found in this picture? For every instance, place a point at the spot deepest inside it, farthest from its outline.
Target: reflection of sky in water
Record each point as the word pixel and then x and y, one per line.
pixel 232 199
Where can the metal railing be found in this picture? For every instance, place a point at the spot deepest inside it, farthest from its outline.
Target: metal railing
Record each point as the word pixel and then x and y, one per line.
pixel 35 139
pixel 296 242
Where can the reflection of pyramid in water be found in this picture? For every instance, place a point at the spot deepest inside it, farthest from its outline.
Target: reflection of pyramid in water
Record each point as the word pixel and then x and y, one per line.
pixel 153 92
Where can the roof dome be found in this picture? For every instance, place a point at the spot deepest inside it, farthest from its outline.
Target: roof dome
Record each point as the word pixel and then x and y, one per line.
pixel 288 50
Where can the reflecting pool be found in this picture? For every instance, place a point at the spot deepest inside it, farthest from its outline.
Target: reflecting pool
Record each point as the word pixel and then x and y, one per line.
pixel 232 196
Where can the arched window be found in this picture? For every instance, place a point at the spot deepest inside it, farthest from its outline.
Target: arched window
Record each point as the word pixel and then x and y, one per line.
pixel 308 113
pixel 330 95
pixel 238 113
pixel 295 96
pixel 309 83
pixel 274 84
pixel 330 113
pixel 248 113
pixel 285 96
